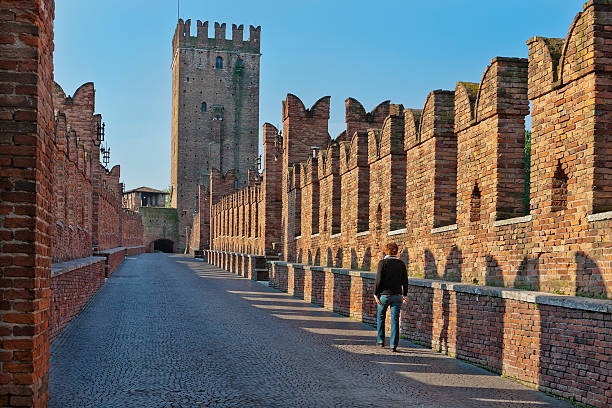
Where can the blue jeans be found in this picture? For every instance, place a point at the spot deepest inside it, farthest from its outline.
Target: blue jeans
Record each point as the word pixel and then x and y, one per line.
pixel 395 302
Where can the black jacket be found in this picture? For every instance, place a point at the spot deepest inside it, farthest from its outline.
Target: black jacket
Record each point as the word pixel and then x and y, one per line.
pixel 391 278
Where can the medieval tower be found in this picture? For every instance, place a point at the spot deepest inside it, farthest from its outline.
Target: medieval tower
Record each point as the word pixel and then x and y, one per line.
pixel 215 111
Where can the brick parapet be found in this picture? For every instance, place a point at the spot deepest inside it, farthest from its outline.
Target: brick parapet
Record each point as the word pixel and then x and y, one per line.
pixel 457 318
pixel 73 283
pixel 446 182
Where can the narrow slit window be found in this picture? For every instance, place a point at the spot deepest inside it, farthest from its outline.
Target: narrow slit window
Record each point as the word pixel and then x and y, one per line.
pixel 475 204
pixel 559 189
pixel 219 63
pixel 378 225
pixel 203 107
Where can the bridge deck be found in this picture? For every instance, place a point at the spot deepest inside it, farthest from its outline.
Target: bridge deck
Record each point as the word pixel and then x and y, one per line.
pixel 171 331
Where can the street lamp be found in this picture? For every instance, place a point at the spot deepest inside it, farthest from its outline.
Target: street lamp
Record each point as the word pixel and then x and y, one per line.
pixel 100 130
pixel 105 155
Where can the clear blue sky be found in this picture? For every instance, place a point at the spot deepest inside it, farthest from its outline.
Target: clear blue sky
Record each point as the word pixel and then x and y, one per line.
pixel 372 51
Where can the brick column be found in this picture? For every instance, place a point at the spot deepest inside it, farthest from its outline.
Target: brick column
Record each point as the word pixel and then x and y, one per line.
pixel 26 149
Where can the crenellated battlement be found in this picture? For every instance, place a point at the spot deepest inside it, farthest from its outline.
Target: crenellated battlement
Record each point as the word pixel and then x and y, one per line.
pixel 183 38
pixel 464 190
pixel 452 174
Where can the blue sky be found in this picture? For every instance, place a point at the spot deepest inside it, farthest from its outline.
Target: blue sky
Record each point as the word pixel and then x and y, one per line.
pixel 372 51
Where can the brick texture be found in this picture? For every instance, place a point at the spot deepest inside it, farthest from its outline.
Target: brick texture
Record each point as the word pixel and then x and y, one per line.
pixel 26 209
pixel 71 290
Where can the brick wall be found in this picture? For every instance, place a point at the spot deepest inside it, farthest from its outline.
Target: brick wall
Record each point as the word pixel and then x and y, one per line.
pixel 446 182
pixel 86 196
pixel 50 187
pixel 26 210
pixel 131 228
pixel 248 220
pixel 552 342
pixel 73 283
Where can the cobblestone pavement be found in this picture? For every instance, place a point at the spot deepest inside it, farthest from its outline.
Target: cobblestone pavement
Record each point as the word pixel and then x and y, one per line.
pixel 171 331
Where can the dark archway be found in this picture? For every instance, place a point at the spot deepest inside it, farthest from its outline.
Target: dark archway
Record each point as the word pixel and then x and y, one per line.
pixel 163 245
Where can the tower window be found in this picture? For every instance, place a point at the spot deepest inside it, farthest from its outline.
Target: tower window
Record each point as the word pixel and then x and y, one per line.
pixel 203 107
pixel 219 63
pixel 240 62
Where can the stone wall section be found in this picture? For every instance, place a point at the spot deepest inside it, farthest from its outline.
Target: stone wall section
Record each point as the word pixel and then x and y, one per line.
pixel 159 223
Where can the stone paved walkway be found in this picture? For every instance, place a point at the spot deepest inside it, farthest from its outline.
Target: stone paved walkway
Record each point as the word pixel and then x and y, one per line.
pixel 171 331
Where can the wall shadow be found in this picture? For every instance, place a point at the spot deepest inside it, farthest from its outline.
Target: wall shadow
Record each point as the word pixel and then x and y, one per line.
pixel 298 281
pixel 581 341
pixel 528 274
pixel 452 272
pixel 342 297
pixel 453 266
pixel 493 273
pixel 589 281
pixel 354 259
pixel 480 324
pixel 338 262
pixel 430 270
pixel 367 260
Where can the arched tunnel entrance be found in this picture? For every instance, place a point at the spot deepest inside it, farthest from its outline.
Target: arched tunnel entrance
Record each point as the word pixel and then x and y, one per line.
pixel 163 245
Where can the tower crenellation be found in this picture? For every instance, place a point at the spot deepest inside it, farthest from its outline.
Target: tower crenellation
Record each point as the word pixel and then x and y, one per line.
pixel 219 41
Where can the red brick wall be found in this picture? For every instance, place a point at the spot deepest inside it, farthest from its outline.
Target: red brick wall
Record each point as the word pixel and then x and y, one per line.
pixel 86 197
pixel 71 290
pixel 113 260
pixel 109 208
pixel 556 343
pixel 446 182
pixel 26 211
pixel 131 228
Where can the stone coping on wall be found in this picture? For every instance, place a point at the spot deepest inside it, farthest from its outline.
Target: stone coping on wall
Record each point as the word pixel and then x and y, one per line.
pixel 510 221
pixel 600 216
pixel 397 232
pixel 445 228
pixel 131 247
pixel 110 251
pixel 61 268
pixel 541 298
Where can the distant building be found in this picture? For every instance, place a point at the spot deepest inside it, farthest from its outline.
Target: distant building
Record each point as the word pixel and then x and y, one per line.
pixel 144 197
pixel 215 112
